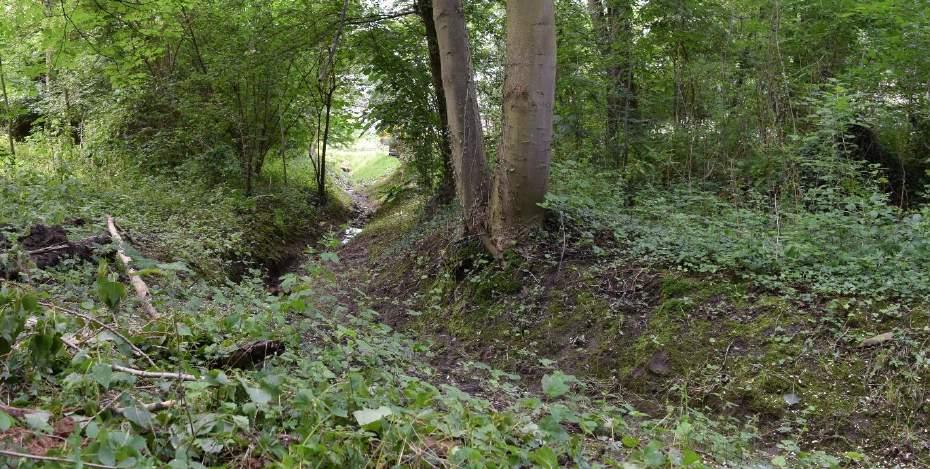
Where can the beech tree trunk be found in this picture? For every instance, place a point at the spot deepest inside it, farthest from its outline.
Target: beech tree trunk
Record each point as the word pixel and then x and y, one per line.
pixel 522 173
pixel 500 217
pixel 468 158
pixel 447 185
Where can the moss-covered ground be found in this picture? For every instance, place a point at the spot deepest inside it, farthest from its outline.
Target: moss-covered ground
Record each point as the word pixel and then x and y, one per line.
pixel 807 370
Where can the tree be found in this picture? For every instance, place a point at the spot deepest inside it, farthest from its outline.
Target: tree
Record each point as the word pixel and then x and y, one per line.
pixel 500 217
pixel 8 111
pixel 468 158
pixel 447 185
pixel 520 182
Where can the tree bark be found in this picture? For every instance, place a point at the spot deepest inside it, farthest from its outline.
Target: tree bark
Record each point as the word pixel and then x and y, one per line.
pixel 613 25
pixel 7 110
pixel 142 290
pixel 468 158
pixel 447 185
pixel 522 173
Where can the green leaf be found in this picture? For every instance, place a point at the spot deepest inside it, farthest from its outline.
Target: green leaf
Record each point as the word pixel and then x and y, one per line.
pixel 331 257
pixel 103 374
pixel 779 461
pixel 6 421
pixel 367 417
pixel 39 421
pixel 139 416
pixel 630 441
pixel 544 457
pixel 556 384
pixel 257 395
pixel 689 457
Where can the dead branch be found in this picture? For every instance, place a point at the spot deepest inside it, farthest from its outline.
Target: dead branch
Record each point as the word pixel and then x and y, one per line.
pixel 34 457
pixel 16 411
pixel 156 374
pixel 85 317
pixel 142 290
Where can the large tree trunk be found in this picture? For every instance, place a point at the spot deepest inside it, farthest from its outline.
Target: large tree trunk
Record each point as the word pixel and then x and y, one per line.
pixel 471 176
pixel 447 185
pixel 522 174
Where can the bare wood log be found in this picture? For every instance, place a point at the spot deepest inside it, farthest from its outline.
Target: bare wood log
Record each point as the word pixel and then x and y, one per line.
pixel 142 290
pixel 156 374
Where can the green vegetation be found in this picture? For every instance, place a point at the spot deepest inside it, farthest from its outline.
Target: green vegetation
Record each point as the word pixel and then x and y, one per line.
pixel 650 234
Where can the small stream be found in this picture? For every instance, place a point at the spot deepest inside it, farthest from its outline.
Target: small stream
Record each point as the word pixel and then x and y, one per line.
pixel 362 210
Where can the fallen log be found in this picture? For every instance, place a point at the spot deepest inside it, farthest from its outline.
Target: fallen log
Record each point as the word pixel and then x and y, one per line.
pixel 142 290
pixel 249 355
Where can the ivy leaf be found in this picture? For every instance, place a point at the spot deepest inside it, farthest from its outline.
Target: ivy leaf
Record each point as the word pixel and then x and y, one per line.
pixel 368 417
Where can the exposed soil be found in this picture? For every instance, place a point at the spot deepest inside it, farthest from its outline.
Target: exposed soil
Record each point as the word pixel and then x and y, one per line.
pixel 47 246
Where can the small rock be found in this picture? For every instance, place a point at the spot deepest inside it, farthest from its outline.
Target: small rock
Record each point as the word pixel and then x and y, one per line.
pixel 658 364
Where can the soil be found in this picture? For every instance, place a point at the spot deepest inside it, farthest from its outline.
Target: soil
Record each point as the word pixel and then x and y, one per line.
pixel 47 246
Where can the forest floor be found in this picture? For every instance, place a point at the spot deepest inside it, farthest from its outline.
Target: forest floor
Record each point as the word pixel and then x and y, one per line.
pixel 389 338
pixel 805 373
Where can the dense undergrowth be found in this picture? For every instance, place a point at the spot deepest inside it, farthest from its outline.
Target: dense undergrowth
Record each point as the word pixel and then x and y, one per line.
pixel 809 319
pixel 344 389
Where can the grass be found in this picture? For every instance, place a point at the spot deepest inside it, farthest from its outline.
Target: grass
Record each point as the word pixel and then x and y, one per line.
pixel 367 161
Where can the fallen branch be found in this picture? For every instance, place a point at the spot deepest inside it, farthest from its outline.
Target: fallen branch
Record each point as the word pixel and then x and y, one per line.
pixel 85 317
pixel 153 407
pixel 156 374
pixel 142 290
pixel 16 411
pixel 34 457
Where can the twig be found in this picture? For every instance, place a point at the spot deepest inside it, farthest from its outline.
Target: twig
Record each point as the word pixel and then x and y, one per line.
pixel 155 406
pixel 142 290
pixel 85 317
pixel 34 457
pixel 156 374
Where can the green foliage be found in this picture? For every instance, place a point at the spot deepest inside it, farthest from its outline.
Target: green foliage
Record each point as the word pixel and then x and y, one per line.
pixel 832 243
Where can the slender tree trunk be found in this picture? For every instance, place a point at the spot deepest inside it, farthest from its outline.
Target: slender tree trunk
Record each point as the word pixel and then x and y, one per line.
pixel 321 173
pixel 468 158
pixel 613 25
pixel 7 110
pixel 447 185
pixel 283 153
pixel 522 173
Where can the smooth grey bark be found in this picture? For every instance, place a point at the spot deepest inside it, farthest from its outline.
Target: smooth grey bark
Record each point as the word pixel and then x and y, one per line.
pixel 468 158
pixel 522 174
pixel 447 185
